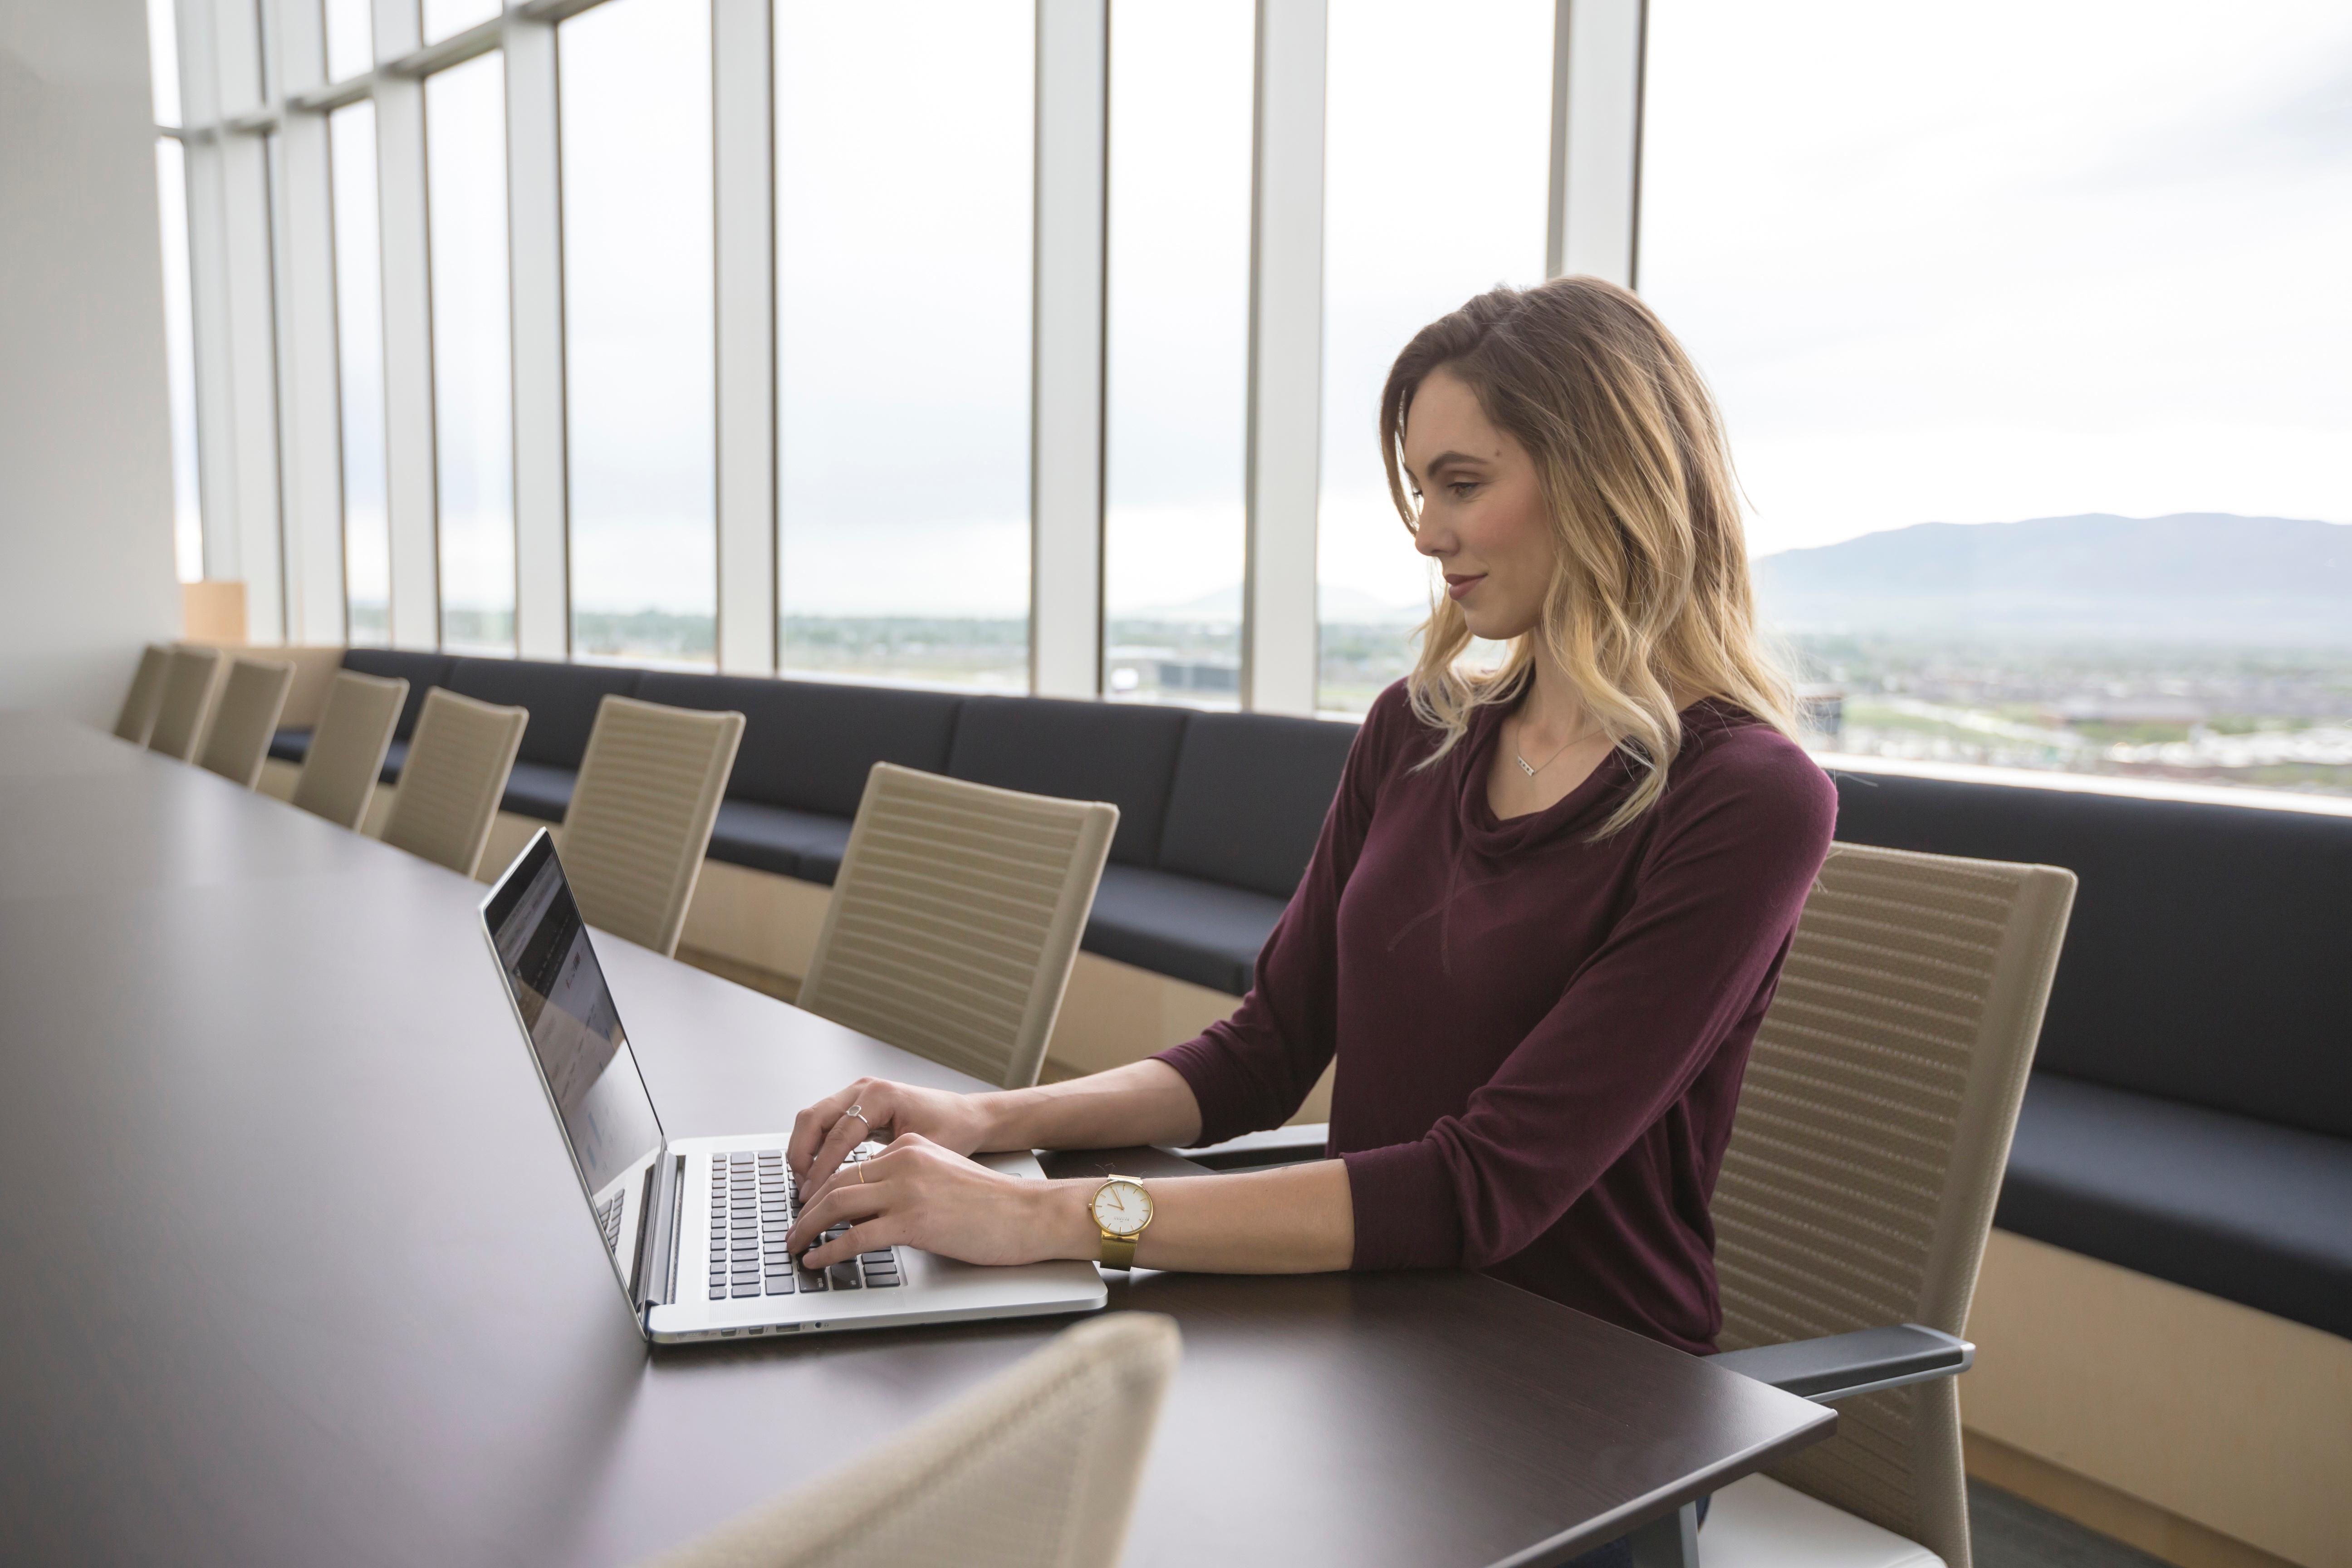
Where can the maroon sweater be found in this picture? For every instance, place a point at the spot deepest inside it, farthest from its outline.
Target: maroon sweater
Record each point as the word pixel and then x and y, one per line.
pixel 1540 1038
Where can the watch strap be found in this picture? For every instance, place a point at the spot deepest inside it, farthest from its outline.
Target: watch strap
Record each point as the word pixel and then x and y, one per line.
pixel 1118 1251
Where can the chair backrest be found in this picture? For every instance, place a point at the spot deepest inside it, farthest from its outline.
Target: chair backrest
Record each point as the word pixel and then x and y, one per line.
pixel 640 818
pixel 346 755
pixel 146 694
pixel 1867 1152
pixel 1037 1468
pixel 956 918
pixel 246 717
pixel 187 697
pixel 455 776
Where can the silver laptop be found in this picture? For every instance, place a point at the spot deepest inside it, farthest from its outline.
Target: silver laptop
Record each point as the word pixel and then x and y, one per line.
pixel 695 1226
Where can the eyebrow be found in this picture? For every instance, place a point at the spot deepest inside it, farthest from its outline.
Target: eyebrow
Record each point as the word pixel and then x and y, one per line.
pixel 1444 460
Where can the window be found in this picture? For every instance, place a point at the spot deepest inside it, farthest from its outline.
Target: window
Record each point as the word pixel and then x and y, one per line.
pixel 180 359
pixel 637 282
pixel 351 45
pixel 443 17
pixel 466 183
pixel 1175 425
pixel 1422 210
pixel 903 168
pixel 2085 295
pixel 359 347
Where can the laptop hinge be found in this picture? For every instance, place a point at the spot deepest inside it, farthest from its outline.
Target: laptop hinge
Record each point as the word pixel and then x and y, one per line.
pixel 653 1278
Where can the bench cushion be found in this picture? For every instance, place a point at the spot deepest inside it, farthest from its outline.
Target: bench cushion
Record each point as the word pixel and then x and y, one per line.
pixel 1250 794
pixel 423 671
pixel 2238 1208
pixel 803 843
pixel 1122 752
pixel 1202 931
pixel 535 789
pixel 809 745
pixel 2205 960
pixel 290 745
pixel 562 699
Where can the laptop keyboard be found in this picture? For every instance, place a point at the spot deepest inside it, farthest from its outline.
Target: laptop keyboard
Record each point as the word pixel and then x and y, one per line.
pixel 752 1201
pixel 608 1216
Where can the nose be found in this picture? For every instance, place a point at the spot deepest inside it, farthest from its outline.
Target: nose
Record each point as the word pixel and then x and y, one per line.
pixel 1433 541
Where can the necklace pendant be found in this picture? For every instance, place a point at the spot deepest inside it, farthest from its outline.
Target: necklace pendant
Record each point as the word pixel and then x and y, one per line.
pixel 1523 764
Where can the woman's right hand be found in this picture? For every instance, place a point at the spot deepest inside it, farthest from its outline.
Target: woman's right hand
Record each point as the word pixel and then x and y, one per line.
pixel 824 1133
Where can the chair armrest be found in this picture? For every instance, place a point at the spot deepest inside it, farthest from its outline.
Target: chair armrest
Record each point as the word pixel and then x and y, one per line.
pixel 1282 1146
pixel 1841 1365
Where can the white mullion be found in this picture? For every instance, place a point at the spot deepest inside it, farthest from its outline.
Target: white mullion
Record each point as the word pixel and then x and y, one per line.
pixel 1596 139
pixel 215 390
pixel 1066 474
pixel 535 284
pixel 309 426
pixel 409 476
pixel 1279 634
pixel 743 170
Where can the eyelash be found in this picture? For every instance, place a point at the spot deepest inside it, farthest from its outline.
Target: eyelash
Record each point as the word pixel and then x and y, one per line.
pixel 1461 488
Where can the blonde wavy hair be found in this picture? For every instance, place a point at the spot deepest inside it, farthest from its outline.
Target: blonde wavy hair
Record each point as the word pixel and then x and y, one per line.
pixel 1650 593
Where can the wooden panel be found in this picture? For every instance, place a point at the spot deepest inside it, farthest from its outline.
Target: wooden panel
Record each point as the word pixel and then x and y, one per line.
pixel 2230 1417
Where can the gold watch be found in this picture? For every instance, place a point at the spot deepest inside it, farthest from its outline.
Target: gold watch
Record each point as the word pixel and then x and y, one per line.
pixel 1121 1208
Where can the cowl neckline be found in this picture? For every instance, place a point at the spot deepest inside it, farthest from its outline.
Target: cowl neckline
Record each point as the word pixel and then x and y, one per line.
pixel 1581 809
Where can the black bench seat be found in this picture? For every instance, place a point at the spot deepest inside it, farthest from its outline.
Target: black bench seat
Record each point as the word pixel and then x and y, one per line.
pixel 1206 932
pixel 2238 1208
pixel 808 844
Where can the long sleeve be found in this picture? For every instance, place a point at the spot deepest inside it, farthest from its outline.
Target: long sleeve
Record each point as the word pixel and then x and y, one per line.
pixel 1683 970
pixel 1254 1069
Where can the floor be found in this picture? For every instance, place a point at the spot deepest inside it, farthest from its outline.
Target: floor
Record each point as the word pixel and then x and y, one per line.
pixel 2009 1533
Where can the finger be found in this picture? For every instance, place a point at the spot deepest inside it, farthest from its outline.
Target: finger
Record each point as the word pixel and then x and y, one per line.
pixel 872 1169
pixel 848 1131
pixel 810 1127
pixel 847 1204
pixel 874 1236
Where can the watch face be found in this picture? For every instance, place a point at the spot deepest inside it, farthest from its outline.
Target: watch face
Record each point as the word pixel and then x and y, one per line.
pixel 1121 1208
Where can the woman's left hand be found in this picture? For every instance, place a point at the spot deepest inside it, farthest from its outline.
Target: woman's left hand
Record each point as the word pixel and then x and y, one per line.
pixel 917 1193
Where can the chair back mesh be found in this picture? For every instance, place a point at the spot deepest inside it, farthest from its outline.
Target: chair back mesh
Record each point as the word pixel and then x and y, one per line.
pixel 347 749
pixel 453 779
pixel 146 694
pixel 245 719
pixel 1035 1468
pixel 956 918
pixel 187 697
pixel 640 818
pixel 1867 1151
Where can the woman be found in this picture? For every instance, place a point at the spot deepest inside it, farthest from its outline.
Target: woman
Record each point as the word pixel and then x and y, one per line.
pixel 1543 920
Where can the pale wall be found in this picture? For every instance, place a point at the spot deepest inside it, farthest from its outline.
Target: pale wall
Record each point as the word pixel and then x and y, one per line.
pixel 86 565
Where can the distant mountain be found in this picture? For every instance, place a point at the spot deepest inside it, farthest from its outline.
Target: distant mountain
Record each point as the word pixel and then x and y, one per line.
pixel 2193 574
pixel 1337 603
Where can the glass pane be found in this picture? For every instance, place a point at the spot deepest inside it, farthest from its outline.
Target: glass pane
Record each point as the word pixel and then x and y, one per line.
pixel 2087 296
pixel 1181 105
pixel 903 181
pixel 350 46
pixel 163 59
pixel 638 330
pixel 359 345
pixel 1421 211
pixel 180 359
pixel 443 17
pixel 466 174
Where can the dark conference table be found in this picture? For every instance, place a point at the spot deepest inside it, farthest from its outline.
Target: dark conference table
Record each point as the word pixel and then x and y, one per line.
pixel 304 1277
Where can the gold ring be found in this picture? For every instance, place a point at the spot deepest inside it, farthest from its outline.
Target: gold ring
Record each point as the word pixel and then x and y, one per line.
pixel 861 1173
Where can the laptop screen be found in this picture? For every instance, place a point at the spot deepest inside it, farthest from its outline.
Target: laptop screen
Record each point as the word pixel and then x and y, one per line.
pixel 575 1031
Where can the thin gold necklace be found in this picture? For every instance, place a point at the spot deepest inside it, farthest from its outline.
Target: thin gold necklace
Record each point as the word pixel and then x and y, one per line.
pixel 1532 769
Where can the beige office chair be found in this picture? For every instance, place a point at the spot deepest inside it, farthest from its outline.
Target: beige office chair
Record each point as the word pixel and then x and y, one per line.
pixel 187 698
pixel 1035 1468
pixel 956 918
pixel 1859 1183
pixel 347 749
pixel 244 719
pixel 640 816
pixel 146 694
pixel 455 776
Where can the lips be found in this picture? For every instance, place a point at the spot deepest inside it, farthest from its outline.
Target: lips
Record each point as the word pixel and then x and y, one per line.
pixel 1458 585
